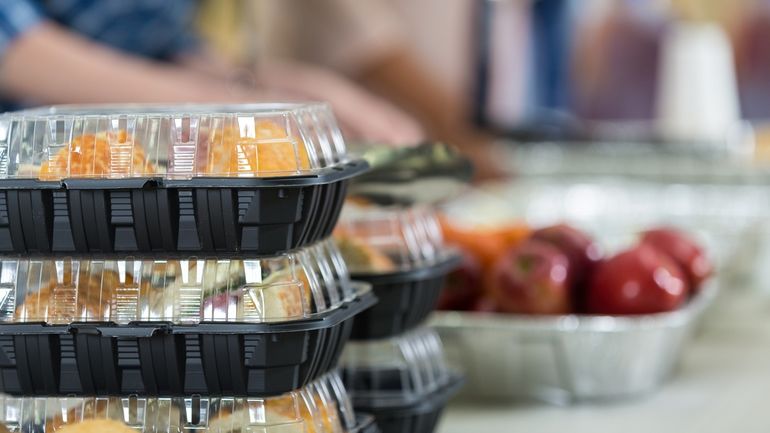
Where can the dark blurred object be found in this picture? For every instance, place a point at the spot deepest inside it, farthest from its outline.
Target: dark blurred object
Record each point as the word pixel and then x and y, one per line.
pixel 463 286
pixel 428 173
pixel 752 53
pixel 521 55
pixel 615 66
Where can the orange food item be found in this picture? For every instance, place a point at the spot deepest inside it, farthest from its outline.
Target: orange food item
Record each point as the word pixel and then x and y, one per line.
pixel 270 152
pixel 87 296
pixel 96 426
pixel 485 244
pixel 360 256
pixel 98 155
pixel 284 411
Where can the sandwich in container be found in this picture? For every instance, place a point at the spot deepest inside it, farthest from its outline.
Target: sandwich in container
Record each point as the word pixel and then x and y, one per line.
pixel 322 406
pixel 248 326
pixel 148 179
pixel 401 253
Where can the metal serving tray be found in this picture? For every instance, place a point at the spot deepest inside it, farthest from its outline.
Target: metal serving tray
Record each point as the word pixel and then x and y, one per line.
pixel 569 358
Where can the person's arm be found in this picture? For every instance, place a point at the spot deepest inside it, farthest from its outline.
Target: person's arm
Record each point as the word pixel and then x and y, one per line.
pixel 49 64
pixel 400 78
pixel 362 115
pixel 365 41
pixel 397 76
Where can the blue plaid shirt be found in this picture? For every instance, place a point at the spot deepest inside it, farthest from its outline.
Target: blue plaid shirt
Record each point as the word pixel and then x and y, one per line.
pixel 157 29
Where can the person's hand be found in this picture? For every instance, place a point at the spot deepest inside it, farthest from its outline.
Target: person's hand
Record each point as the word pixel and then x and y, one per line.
pixel 362 116
pixel 484 152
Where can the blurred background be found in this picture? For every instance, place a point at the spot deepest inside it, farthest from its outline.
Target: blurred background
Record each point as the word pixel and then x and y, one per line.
pixel 524 69
pixel 613 116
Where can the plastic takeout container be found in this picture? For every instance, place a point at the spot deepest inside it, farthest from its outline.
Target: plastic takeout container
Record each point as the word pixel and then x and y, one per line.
pixel 565 359
pixel 174 327
pixel 404 381
pixel 320 407
pixel 255 179
pixel 401 253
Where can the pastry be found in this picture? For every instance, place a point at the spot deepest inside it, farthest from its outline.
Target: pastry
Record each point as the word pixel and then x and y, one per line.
pixel 271 151
pixel 97 155
pixel 86 295
pixel 85 416
pixel 279 296
pixel 96 293
pixel 107 415
pixel 96 426
pixel 290 412
pixel 362 257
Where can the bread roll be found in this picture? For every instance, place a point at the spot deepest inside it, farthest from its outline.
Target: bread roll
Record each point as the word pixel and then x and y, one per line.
pixel 96 426
pixel 361 257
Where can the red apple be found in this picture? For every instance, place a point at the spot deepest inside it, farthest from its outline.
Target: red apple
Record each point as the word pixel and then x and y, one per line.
pixel 581 251
pixel 463 286
pixel 485 304
pixel 685 251
pixel 641 280
pixel 531 279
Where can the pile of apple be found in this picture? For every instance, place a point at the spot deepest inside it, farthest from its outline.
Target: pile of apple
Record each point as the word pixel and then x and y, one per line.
pixel 561 270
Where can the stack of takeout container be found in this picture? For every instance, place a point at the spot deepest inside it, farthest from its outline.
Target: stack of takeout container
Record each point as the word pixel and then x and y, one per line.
pixel 167 269
pixel 395 368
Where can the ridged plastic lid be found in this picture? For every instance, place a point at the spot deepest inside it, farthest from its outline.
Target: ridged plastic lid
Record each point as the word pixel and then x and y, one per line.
pixel 175 142
pixel 383 240
pixel 287 287
pixel 321 407
pixel 398 370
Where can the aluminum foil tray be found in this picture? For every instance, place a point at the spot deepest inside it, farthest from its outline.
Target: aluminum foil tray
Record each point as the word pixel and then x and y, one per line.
pixel 570 358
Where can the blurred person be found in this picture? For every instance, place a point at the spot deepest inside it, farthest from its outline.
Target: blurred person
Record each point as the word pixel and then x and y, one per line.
pixel 479 64
pixel 366 41
pixel 105 51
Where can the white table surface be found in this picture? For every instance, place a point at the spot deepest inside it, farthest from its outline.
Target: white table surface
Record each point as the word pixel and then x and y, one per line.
pixel 722 385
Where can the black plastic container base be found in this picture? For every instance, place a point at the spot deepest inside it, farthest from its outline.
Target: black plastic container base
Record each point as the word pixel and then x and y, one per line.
pixel 420 416
pixel 406 299
pixel 144 217
pixel 161 359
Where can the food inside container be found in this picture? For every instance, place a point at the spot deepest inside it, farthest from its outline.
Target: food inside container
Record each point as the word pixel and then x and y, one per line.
pixel 571 314
pixel 377 240
pixel 402 254
pixel 216 327
pixel 174 142
pixel 183 180
pixel 288 287
pixel 568 358
pixel 403 381
pixel 320 407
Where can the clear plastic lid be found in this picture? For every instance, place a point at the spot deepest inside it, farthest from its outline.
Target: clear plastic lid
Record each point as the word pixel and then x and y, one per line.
pixel 398 370
pixel 175 142
pixel 384 240
pixel 321 407
pixel 292 286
